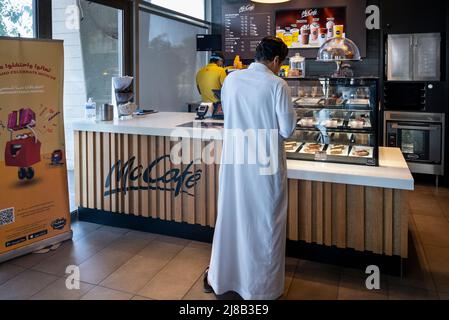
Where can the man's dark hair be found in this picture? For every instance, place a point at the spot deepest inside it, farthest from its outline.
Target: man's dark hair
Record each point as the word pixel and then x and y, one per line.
pixel 216 56
pixel 269 48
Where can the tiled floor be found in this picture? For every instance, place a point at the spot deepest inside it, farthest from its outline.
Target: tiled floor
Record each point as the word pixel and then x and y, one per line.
pixel 122 264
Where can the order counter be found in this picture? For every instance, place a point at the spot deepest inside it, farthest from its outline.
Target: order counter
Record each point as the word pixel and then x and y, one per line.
pixel 123 169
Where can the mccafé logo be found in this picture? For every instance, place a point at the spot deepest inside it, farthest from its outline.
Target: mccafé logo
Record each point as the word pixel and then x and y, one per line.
pixel 309 13
pixel 174 180
pixel 247 8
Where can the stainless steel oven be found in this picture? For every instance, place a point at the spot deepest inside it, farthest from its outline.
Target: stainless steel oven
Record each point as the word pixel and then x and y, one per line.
pixel 420 137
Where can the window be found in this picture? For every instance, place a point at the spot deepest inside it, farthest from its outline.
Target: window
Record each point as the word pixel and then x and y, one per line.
pixel 193 8
pixel 92 35
pixel 168 62
pixel 17 18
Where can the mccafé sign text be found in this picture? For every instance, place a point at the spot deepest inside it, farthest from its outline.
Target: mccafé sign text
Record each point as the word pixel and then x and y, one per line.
pixel 174 180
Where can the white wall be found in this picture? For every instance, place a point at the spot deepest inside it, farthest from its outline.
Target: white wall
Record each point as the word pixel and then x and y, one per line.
pixel 74 78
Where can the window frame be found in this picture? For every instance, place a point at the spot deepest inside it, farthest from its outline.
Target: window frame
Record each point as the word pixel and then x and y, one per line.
pixel 43 26
pixel 130 27
pixel 146 6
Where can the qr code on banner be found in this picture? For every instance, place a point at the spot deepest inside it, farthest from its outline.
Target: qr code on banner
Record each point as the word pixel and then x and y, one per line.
pixel 6 216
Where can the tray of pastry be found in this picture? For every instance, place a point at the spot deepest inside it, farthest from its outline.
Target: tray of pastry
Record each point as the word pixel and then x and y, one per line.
pixel 311 148
pixel 359 123
pixel 336 102
pixel 307 122
pixel 292 146
pixel 332 123
pixel 308 102
pixel 358 102
pixel 338 150
pixel 362 152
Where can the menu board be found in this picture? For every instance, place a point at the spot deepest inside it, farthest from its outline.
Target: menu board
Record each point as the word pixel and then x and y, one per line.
pixel 244 27
pixel 310 27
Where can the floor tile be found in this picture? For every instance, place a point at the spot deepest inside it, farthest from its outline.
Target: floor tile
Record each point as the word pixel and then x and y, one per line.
pixel 101 265
pixel 140 269
pixel 117 230
pixel 444 205
pixel 59 291
pixel 30 260
pixel 433 230
pixel 142 234
pixel 428 189
pixel 173 240
pixel 314 271
pixel 178 276
pixel 312 290
pixel 163 250
pixel 439 265
pixel 353 287
pixel 81 229
pixel 129 243
pixel 100 293
pixel 441 192
pixel 409 293
pixel 416 277
pixel 312 265
pixel 424 204
pixel 198 244
pixel 417 268
pixel 8 271
pixel 140 298
pixel 100 238
pixel 290 268
pixel 70 253
pixel 197 293
pixel 314 281
pixel 25 285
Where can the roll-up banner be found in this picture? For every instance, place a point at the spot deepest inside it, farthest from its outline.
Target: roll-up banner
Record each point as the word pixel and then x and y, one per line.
pixel 34 203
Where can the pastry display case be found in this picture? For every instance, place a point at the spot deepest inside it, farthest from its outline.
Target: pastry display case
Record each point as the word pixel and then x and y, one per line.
pixel 337 120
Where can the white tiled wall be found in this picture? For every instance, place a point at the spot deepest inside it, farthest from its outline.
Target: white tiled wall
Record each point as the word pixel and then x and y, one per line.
pixel 74 79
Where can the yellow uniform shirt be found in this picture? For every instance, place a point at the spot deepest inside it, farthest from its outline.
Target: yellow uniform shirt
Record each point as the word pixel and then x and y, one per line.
pixel 209 78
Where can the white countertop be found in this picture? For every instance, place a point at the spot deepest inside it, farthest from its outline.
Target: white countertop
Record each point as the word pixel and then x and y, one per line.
pixel 392 171
pixel 156 124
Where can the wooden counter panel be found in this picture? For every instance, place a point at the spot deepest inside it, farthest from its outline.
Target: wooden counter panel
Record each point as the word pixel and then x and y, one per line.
pixel 345 216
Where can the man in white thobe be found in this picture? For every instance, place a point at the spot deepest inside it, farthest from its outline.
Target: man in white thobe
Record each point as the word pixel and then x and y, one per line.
pixel 248 251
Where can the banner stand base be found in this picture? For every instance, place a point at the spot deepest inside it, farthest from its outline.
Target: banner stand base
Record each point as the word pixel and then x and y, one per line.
pixel 35 246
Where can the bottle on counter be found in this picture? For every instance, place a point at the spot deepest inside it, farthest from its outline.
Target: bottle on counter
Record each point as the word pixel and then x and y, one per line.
pixel 90 111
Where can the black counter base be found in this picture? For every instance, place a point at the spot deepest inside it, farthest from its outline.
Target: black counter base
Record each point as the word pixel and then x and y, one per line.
pixel 129 221
pixel 348 258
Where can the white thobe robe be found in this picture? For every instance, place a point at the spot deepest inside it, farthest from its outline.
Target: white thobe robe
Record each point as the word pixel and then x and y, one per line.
pixel 248 251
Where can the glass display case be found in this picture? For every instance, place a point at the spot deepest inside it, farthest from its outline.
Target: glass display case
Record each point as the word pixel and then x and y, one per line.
pixel 337 120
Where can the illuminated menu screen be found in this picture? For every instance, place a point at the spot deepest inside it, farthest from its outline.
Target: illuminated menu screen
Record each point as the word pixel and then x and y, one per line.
pixel 244 27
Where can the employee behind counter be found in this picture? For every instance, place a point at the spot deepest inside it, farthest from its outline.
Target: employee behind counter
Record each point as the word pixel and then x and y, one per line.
pixel 211 77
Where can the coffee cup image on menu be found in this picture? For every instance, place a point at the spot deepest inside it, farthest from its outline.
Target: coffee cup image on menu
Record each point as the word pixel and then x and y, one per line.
pixel 322 38
pixel 305 33
pixel 295 34
pixel 330 29
pixel 280 34
pixel 338 31
pixel 314 32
